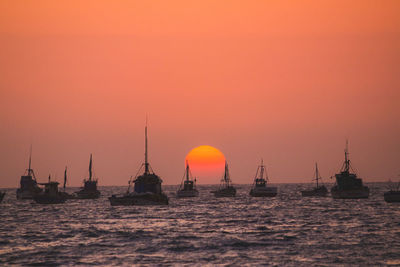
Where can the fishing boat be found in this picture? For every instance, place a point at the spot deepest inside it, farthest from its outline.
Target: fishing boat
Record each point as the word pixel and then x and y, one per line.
pixel 147 187
pixel 64 193
pixel 2 194
pixel 188 185
pixel 393 195
pixel 348 185
pixel 28 184
pixel 89 189
pixel 51 195
pixel 260 188
pixel 319 190
pixel 225 189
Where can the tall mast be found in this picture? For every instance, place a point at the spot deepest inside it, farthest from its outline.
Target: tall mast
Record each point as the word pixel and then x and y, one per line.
pixel 90 167
pixel 30 158
pixel 65 177
pixel 262 169
pixel 226 174
pixel 146 163
pixel 346 157
pixel 316 173
pixel 187 171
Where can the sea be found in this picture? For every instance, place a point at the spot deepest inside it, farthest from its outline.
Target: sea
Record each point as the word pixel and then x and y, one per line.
pixel 287 230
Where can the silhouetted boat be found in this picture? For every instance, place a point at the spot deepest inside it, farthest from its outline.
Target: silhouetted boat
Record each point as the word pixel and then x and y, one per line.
pixel 2 194
pixel 226 189
pixel 147 189
pixel 188 185
pixel 51 195
pixel 89 189
pixel 64 193
pixel 28 184
pixel 260 188
pixel 319 191
pixel 348 186
pixel 393 195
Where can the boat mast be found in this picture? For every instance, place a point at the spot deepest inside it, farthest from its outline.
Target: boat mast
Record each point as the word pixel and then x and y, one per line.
pixel 65 177
pixel 187 171
pixel 30 171
pixel 316 173
pixel 226 174
pixel 346 158
pixel 146 163
pixel 262 169
pixel 90 168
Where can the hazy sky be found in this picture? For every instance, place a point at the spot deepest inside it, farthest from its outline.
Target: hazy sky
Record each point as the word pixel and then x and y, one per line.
pixel 287 81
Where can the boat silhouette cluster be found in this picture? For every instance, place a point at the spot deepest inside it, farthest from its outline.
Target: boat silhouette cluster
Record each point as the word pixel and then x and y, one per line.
pixel 147 186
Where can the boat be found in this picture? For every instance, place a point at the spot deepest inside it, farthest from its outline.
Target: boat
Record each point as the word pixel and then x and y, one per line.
pixel 64 193
pixel 319 190
pixel 89 189
pixel 260 188
pixel 51 195
pixel 225 189
pixel 2 194
pixel 147 187
pixel 188 185
pixel 28 184
pixel 348 185
pixel 393 195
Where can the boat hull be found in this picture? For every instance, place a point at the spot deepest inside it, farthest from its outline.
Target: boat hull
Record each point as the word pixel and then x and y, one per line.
pixel 358 193
pixel 87 194
pixel 264 192
pixel 42 199
pixel 392 196
pixel 225 192
pixel 26 194
pixel 316 192
pixel 187 193
pixel 138 199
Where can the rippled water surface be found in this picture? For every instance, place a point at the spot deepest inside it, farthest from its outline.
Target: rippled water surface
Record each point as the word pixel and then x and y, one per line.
pixel 286 230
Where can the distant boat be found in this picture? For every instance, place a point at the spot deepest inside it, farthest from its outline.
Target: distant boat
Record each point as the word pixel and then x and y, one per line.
pixel 188 185
pixel 2 194
pixel 65 194
pixel 260 188
pixel 348 186
pixel 226 189
pixel 28 184
pixel 147 189
pixel 393 195
pixel 89 189
pixel 319 190
pixel 51 195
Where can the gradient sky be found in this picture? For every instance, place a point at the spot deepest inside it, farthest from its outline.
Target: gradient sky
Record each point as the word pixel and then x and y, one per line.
pixel 287 81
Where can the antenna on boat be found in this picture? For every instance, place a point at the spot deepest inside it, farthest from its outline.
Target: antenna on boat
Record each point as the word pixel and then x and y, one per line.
pixel 90 167
pixel 187 171
pixel 65 177
pixel 146 163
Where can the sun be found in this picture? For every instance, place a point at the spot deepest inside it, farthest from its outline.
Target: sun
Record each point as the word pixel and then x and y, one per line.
pixel 206 163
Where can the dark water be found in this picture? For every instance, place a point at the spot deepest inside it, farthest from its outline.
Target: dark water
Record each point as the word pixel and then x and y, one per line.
pixel 286 230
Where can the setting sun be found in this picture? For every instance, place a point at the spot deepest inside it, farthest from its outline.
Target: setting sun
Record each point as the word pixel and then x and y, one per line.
pixel 207 163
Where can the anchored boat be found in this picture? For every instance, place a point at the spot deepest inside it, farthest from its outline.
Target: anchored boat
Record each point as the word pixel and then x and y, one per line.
pixel 51 195
pixel 393 195
pixel 319 190
pixel 348 186
pixel 260 188
pixel 225 189
pixel 147 188
pixel 188 185
pixel 28 184
pixel 89 189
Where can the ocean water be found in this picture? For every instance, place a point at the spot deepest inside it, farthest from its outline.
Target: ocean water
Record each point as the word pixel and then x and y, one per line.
pixel 287 230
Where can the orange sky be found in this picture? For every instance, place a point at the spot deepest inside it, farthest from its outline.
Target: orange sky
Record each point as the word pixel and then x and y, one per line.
pixel 288 81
